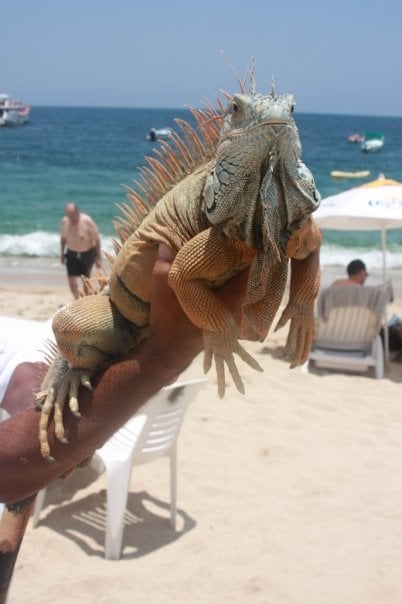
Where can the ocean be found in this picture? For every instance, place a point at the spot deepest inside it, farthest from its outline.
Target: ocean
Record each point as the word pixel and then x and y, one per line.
pixel 89 155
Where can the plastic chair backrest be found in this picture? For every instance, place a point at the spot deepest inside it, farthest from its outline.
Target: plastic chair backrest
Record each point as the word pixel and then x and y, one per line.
pixel 154 429
pixel 347 328
pixel 349 317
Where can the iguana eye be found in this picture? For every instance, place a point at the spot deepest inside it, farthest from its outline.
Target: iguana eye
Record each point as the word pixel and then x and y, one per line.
pixel 236 108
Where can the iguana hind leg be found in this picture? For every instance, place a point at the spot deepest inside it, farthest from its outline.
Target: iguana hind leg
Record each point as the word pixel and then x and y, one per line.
pixel 62 384
pixel 303 249
pixel 45 399
pixel 91 334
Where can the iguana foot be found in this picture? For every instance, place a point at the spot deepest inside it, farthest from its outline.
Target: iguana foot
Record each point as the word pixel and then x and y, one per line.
pixel 52 398
pixel 221 347
pixel 301 333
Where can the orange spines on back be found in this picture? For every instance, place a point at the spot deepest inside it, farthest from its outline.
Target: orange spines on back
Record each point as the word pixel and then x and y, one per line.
pixel 174 160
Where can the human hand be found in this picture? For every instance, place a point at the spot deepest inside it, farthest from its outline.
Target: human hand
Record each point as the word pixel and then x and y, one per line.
pixel 169 324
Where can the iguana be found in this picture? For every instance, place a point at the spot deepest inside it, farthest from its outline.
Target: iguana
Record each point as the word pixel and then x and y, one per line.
pixel 234 195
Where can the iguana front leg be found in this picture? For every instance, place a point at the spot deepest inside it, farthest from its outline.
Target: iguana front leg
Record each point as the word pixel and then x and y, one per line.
pixel 303 249
pixel 90 335
pixel 207 258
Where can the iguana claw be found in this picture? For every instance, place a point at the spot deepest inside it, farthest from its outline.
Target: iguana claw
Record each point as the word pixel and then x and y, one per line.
pixel 52 398
pixel 301 332
pixel 221 348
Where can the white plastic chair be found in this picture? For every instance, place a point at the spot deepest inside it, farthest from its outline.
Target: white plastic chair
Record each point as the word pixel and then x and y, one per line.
pixel 151 433
pixel 347 336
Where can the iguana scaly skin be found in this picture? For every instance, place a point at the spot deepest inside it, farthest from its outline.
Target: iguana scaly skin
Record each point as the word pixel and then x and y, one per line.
pixel 235 196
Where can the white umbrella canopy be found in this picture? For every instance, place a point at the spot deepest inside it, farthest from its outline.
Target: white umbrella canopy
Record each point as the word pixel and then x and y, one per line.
pixel 375 206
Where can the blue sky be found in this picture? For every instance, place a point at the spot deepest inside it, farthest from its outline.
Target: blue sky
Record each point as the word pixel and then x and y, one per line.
pixel 343 57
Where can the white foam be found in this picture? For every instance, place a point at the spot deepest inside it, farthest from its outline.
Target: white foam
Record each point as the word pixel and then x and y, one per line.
pixel 37 244
pixel 332 255
pixel 42 244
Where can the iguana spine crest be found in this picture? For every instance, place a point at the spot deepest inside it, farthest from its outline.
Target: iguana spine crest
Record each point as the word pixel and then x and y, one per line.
pixel 175 159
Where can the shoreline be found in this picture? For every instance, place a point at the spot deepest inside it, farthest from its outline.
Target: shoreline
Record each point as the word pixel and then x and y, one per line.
pixel 39 272
pixel 32 288
pixel 36 287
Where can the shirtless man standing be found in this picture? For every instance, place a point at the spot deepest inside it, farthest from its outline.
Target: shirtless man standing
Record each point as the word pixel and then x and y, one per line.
pixel 80 245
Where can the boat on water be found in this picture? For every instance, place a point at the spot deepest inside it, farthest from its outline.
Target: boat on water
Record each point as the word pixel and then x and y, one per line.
pixel 355 138
pixel 13 112
pixel 157 134
pixel 343 174
pixel 373 142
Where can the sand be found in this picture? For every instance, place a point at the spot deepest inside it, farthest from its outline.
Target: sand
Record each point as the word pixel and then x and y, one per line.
pixel 291 494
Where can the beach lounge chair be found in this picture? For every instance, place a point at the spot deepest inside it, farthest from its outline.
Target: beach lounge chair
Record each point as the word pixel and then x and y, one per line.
pixel 151 433
pixel 347 329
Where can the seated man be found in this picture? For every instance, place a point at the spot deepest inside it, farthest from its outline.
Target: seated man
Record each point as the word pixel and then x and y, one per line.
pixel 357 274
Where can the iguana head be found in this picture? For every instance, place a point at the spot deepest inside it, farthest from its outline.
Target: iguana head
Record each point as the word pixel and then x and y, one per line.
pixel 258 189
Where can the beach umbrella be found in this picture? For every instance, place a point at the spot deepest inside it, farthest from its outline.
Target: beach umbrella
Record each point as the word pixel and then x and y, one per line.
pixel 374 206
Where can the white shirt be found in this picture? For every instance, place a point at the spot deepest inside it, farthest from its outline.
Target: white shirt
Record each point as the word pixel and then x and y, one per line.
pixel 21 341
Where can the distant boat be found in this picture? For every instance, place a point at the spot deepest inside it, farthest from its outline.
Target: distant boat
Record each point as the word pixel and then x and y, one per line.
pixel 355 138
pixel 373 141
pixel 13 112
pixel 342 174
pixel 156 134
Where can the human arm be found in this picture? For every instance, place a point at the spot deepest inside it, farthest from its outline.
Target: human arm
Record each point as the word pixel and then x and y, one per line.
pixel 26 378
pixel 98 259
pixel 94 232
pixel 63 240
pixel 62 248
pixel 156 362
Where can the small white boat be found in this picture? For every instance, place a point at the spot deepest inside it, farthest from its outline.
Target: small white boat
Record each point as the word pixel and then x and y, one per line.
pixel 373 141
pixel 13 112
pixel 157 134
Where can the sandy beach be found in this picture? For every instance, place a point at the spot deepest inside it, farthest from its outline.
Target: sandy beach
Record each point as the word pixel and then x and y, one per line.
pixel 291 494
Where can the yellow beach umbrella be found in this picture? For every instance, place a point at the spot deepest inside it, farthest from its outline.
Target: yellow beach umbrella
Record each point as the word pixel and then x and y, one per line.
pixel 374 206
pixel 381 181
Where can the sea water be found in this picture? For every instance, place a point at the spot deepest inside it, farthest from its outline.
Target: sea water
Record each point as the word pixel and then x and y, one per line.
pixel 90 156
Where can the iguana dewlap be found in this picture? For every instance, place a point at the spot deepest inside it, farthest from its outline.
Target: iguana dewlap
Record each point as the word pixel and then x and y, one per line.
pixel 227 199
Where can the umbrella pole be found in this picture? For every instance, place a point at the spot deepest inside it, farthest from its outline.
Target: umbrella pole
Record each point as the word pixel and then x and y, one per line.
pixel 384 247
pixel 386 337
pixel 384 280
